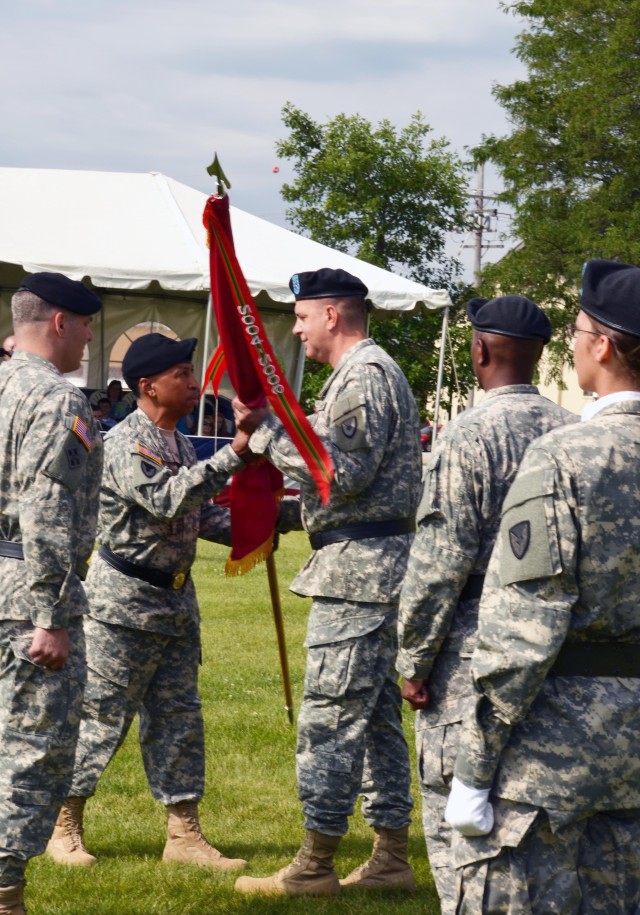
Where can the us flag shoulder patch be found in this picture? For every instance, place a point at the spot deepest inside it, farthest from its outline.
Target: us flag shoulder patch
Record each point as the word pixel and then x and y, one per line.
pixel 149 454
pixel 82 431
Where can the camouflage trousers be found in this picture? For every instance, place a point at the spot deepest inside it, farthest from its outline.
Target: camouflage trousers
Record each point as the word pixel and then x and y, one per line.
pixel 39 718
pixel 155 675
pixel 350 737
pixel 436 749
pixel 588 867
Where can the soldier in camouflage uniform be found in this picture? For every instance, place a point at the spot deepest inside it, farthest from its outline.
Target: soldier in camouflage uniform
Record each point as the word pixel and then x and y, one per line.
pixel 143 631
pixel 350 737
pixel 553 729
pixel 51 455
pixel 471 469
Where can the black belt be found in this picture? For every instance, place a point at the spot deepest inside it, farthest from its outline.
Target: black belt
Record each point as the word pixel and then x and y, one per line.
pixel 11 550
pixel 472 588
pixel 362 532
pixel 173 580
pixel 597 659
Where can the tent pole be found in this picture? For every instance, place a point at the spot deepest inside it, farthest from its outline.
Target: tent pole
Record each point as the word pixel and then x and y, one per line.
pixel 443 346
pixel 299 373
pixel 103 375
pixel 205 360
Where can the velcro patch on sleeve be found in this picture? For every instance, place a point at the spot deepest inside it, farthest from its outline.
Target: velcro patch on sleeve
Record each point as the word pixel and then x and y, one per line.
pixel 528 536
pixel 147 465
pixel 348 423
pixel 67 459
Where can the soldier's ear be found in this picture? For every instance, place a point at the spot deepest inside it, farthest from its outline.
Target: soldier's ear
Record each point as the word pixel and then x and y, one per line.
pixel 331 315
pixel 145 386
pixel 59 323
pixel 482 350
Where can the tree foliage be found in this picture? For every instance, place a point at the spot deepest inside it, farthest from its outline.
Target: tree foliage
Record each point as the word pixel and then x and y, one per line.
pixel 390 197
pixel 570 165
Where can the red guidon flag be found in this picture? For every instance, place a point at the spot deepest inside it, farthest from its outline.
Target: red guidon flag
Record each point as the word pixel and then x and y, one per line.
pixel 257 378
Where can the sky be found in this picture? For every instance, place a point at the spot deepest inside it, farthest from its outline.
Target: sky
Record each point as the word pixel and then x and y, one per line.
pixel 139 86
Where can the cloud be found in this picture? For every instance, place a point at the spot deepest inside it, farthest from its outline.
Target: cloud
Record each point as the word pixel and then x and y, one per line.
pixel 136 85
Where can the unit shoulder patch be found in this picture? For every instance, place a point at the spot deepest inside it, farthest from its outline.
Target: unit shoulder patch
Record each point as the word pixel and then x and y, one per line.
pixel 147 465
pixel 520 538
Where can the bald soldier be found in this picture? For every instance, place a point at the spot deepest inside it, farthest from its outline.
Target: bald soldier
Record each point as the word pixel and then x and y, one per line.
pixel 471 469
pixel 51 461
pixel 551 733
pixel 143 630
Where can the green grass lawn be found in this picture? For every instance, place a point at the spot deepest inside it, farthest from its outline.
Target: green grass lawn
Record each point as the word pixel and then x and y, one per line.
pixel 250 808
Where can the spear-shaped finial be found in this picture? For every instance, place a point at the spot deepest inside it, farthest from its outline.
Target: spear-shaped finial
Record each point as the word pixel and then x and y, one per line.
pixel 221 179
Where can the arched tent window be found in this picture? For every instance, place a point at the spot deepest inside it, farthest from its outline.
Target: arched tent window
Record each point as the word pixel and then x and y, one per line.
pixel 124 341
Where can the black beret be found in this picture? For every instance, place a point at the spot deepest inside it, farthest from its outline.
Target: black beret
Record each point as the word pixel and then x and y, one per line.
pixel 510 316
pixel 611 295
pixel 58 290
pixel 154 353
pixel 326 284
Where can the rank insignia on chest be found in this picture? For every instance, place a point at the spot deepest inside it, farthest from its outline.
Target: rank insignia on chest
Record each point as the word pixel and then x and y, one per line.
pixel 520 538
pixel 149 454
pixel 349 427
pixel 82 431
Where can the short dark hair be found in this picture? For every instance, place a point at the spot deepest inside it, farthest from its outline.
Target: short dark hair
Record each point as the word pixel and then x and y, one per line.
pixel 626 346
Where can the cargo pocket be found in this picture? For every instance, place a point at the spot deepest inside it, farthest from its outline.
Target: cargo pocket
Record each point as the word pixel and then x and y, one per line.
pixel 328 670
pixel 105 692
pixel 39 699
pixel 436 754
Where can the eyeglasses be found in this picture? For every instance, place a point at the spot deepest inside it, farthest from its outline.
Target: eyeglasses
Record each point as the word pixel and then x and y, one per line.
pixel 573 330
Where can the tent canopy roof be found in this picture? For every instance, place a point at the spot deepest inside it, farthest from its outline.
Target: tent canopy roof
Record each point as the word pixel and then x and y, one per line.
pixel 124 231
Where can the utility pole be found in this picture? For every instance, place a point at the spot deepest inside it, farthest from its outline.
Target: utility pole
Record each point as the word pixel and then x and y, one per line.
pixel 482 216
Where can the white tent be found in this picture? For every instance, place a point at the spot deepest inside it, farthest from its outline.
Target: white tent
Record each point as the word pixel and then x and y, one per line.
pixel 139 240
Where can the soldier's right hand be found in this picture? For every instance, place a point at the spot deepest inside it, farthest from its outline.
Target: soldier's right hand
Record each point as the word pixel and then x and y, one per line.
pixel 416 693
pixel 247 419
pixel 50 647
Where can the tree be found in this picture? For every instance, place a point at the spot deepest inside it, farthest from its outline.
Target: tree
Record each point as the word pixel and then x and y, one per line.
pixel 389 197
pixel 570 166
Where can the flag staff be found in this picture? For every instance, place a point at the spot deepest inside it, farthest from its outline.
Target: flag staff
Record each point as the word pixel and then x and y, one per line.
pixel 279 624
pixel 215 170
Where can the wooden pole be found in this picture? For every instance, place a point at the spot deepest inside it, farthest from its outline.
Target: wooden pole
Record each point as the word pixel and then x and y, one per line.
pixel 279 624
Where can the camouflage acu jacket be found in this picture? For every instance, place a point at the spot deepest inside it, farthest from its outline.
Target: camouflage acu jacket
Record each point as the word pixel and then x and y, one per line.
pixel 51 461
pixel 474 463
pixel 566 567
pixel 367 418
pixel 152 512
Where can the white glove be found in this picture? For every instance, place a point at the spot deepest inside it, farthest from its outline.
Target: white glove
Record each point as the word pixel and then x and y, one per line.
pixel 468 809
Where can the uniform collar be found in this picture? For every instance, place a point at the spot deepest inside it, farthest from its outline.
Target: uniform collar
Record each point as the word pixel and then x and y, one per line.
pixel 596 406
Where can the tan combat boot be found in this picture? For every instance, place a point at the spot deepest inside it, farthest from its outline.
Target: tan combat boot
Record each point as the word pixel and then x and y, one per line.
pixel 310 873
pixel 12 899
pixel 186 844
pixel 66 845
pixel 388 867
